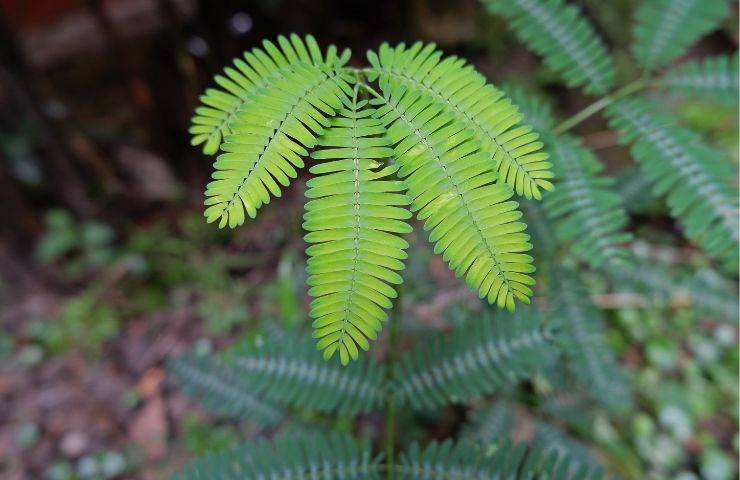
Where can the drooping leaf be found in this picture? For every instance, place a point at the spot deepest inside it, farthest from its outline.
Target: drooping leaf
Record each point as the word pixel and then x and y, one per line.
pixel 288 371
pixel 355 217
pixel 290 456
pixel 664 29
pixel 484 354
pixel 563 37
pixel 467 461
pixel 270 133
pixel 695 178
pixel 587 207
pixel 714 78
pixel 588 355
pixel 221 389
pixel 514 150
pixel 452 185
pixel 246 76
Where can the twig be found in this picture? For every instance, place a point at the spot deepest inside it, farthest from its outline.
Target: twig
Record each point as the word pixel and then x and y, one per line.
pixel 390 418
pixel 600 104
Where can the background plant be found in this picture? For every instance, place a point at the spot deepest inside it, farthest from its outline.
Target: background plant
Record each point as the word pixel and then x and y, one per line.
pixel 561 346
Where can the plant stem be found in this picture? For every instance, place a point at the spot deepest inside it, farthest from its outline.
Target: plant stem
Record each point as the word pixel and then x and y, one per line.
pixel 600 104
pixel 390 405
pixel 372 92
pixel 390 372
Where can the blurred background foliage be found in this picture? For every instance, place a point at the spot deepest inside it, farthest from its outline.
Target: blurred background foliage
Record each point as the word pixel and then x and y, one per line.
pixel 107 266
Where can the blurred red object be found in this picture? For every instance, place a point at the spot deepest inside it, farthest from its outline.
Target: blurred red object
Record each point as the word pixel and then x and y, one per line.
pixel 52 30
pixel 25 15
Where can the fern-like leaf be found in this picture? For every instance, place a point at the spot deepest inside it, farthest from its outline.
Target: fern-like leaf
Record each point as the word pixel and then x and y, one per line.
pixel 636 191
pixel 535 110
pixel 563 37
pixel 245 77
pixel 490 423
pixel 353 219
pixel 289 372
pixel 708 292
pixel 466 461
pixel 712 294
pixel 482 355
pixel 290 456
pixel 496 421
pixel 221 389
pixel 714 78
pixel 570 405
pixel 664 29
pixel 474 104
pixel 270 133
pixel 589 357
pixel 451 182
pixel 543 231
pixel 588 210
pixel 549 437
pixel 696 178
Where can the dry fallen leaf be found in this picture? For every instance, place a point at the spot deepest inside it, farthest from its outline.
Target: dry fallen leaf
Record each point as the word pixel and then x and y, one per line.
pixel 149 429
pixel 149 383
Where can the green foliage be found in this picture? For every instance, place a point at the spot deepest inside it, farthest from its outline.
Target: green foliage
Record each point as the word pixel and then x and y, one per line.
pixel 420 133
pixel 714 78
pixel 689 379
pixel 463 460
pixel 290 372
pixel 708 291
pixel 469 102
pixel 712 294
pixel 246 78
pixel 664 29
pixel 587 209
pixel 82 246
pixel 453 139
pixel 85 323
pixel 566 402
pixel 200 437
pixel 339 456
pixel 563 37
pixel 548 437
pixel 223 311
pixel 288 285
pixel 636 191
pixel 695 177
pixel 101 465
pixel 588 355
pixel 218 386
pixel 497 421
pixel 472 224
pixel 490 423
pixel 285 372
pixel 270 133
pixel 544 238
pixel 535 110
pixel 297 456
pixel 482 355
pixel 353 216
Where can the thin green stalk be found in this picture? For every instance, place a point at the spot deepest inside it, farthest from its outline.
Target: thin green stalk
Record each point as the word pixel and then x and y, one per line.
pixel 600 104
pixel 395 320
pixel 390 373
pixel 370 90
